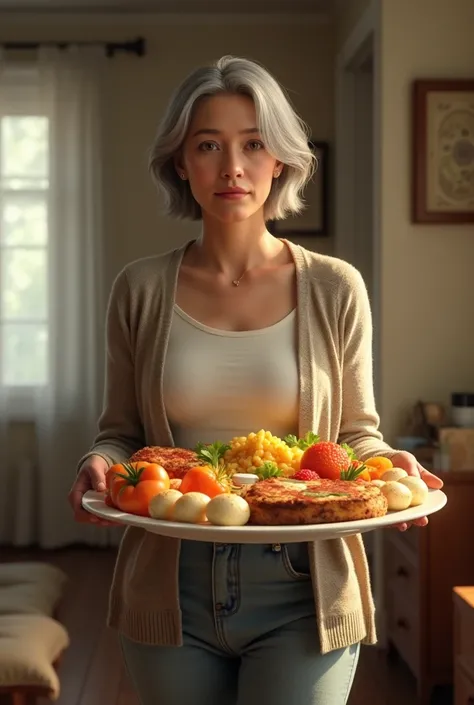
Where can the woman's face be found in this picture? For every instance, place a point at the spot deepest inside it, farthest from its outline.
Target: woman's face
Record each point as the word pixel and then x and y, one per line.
pixel 229 170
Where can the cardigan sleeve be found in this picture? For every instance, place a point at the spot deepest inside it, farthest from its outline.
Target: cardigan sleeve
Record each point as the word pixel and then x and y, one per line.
pixel 360 420
pixel 120 430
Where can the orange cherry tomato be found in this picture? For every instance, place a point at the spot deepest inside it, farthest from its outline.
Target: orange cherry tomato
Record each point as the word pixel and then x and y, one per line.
pixel 132 485
pixel 202 479
pixel 135 499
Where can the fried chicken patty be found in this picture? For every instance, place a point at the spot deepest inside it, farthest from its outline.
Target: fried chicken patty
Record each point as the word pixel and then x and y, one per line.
pixel 176 461
pixel 276 502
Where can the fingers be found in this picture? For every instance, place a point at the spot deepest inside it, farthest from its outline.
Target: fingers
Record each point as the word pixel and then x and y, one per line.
pixel 406 525
pixel 97 478
pixel 433 482
pixel 90 477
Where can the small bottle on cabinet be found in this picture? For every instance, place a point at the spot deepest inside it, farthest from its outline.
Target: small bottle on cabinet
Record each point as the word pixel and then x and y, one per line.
pixel 462 409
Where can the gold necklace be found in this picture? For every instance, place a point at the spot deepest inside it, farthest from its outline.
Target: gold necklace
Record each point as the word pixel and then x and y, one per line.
pixel 236 282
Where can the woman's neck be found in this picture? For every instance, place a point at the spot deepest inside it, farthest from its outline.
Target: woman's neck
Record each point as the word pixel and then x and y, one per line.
pixel 231 249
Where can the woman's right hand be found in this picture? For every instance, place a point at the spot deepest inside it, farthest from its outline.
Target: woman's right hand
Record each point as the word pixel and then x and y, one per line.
pixel 91 476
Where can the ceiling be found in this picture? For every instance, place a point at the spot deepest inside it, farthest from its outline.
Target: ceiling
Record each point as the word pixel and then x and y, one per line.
pixel 168 6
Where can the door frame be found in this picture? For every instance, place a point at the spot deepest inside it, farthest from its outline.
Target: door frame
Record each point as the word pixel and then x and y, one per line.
pixel 363 42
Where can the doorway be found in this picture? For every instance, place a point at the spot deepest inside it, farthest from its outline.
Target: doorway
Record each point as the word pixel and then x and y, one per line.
pixel 358 204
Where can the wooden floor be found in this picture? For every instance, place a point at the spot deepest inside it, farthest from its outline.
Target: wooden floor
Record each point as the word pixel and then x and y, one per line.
pixel 92 672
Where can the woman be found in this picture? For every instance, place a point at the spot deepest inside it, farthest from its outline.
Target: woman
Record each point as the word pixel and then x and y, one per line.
pixel 235 332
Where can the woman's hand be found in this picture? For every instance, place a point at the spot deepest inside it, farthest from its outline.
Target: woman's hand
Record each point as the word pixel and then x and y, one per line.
pixel 91 476
pixel 407 461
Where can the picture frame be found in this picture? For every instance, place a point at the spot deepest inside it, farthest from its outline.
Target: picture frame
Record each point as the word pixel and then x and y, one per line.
pixel 313 221
pixel 443 151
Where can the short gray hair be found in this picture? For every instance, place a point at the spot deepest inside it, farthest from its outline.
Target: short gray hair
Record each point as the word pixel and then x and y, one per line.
pixel 284 133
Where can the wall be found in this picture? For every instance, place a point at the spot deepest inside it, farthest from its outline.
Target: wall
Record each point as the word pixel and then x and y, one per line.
pixel 426 279
pixel 300 54
pixel 348 13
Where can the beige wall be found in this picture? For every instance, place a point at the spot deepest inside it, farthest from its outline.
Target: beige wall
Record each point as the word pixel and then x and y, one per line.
pixel 427 270
pixel 348 13
pixel 300 55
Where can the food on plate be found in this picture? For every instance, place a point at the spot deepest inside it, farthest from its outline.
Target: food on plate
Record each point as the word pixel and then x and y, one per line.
pixel 275 502
pixel 328 459
pixel 249 453
pixel 418 488
pixel 377 466
pixel 205 480
pixel 228 510
pixel 161 506
pixel 242 479
pixel 131 486
pixel 176 461
pixel 133 489
pixel 267 470
pixel 305 474
pixel 398 496
pixel 211 478
pixel 357 471
pixel 261 479
pixel 394 474
pixel 191 508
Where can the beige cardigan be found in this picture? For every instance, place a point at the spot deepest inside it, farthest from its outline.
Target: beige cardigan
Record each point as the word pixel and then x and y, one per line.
pixel 336 401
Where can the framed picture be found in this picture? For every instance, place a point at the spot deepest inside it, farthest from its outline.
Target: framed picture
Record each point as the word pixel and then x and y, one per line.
pixel 443 151
pixel 314 219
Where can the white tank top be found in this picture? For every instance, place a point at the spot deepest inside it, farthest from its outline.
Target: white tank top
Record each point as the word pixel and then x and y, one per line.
pixel 219 384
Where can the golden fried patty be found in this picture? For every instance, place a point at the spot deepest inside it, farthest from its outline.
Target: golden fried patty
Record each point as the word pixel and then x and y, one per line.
pixel 278 502
pixel 176 461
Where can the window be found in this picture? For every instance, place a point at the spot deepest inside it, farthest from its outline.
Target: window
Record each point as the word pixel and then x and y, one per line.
pixel 24 183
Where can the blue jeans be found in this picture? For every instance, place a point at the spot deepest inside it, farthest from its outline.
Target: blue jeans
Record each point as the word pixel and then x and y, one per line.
pixel 250 634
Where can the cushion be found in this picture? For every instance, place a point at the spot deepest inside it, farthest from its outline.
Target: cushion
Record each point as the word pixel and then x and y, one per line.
pixel 30 588
pixel 28 599
pixel 29 646
pixel 31 572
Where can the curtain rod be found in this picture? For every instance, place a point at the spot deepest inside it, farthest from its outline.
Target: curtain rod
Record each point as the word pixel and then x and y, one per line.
pixel 136 46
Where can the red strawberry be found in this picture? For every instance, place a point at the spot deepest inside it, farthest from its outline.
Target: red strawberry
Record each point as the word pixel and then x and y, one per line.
pixel 327 459
pixel 305 475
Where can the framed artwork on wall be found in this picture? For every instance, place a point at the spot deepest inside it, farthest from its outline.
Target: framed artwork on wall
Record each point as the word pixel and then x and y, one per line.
pixel 443 151
pixel 313 221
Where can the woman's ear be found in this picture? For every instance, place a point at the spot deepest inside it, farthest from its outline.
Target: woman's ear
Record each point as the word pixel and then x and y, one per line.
pixel 278 169
pixel 179 166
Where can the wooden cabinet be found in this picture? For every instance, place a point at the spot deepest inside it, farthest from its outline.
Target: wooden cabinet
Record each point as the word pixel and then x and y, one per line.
pixel 421 569
pixel 464 646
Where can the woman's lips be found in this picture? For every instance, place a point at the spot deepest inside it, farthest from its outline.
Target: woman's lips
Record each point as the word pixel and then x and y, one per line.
pixel 232 195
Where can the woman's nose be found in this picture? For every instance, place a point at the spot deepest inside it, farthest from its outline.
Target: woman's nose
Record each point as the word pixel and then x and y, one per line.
pixel 231 167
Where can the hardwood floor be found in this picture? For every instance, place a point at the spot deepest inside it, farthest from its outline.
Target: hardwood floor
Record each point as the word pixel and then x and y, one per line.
pixel 92 672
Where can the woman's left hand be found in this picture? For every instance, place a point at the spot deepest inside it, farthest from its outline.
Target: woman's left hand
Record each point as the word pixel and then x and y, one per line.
pixel 409 463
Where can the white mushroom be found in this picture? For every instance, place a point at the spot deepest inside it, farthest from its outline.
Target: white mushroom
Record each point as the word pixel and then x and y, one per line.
pixel 161 506
pixel 228 510
pixel 191 508
pixel 393 474
pixel 418 489
pixel 398 496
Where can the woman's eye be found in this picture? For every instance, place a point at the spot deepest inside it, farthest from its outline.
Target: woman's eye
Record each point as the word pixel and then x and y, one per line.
pixel 207 146
pixel 255 145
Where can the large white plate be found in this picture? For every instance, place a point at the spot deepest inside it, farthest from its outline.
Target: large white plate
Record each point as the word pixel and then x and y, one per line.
pixel 94 502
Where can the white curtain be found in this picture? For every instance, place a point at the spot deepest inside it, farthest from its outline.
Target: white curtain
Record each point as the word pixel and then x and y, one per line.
pixel 45 428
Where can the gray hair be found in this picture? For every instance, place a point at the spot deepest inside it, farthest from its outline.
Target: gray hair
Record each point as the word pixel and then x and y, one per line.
pixel 284 133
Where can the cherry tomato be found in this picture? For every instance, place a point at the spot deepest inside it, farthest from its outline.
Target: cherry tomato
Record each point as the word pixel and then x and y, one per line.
pixel 202 479
pixel 132 485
